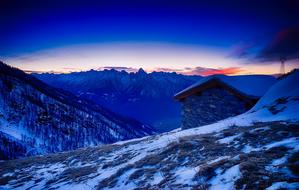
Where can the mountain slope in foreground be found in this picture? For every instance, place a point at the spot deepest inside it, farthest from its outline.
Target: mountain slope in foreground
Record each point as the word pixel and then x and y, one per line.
pixel 258 149
pixel 36 119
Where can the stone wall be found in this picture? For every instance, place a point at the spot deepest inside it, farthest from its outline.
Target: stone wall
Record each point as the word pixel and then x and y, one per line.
pixel 210 106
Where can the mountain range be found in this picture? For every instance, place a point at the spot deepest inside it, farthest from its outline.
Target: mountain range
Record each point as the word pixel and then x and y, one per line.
pixel 36 118
pixel 147 97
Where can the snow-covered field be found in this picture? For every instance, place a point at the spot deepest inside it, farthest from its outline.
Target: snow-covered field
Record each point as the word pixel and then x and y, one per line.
pixel 259 148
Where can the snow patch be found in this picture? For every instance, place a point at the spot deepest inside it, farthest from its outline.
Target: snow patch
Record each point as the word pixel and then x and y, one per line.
pixel 218 159
pixel 247 148
pixel 184 174
pixel 226 180
pixel 290 143
pixel 157 178
pixel 229 139
pixel 280 185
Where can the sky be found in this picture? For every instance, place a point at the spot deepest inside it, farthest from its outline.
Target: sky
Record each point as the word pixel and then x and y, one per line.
pixel 189 37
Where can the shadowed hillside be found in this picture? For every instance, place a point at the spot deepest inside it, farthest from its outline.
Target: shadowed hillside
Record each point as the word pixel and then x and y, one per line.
pixel 36 118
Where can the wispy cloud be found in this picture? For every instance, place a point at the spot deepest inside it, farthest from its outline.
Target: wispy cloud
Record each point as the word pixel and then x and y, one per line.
pixel 203 71
pixel 164 69
pixel 242 50
pixel 127 69
pixel 285 45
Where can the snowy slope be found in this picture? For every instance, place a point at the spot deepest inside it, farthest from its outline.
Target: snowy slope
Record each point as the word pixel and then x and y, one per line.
pixel 36 118
pixel 243 152
pixel 280 103
pixel 251 85
pixel 282 97
pixel 180 160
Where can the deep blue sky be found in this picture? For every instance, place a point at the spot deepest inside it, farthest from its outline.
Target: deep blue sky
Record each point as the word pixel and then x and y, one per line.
pixel 30 26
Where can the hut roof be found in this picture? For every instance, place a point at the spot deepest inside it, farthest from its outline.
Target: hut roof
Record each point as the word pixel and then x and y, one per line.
pixel 245 86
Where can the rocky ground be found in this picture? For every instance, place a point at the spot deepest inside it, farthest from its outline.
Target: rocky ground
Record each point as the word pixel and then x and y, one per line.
pixel 261 156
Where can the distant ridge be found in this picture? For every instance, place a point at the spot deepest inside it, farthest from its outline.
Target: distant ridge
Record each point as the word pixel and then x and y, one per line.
pixel 36 118
pixel 146 97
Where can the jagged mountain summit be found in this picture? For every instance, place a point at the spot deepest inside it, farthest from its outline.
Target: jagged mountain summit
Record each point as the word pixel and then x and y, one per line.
pixel 255 150
pixel 36 118
pixel 147 97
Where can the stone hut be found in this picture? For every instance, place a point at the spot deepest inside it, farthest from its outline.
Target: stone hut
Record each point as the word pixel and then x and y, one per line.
pixel 218 97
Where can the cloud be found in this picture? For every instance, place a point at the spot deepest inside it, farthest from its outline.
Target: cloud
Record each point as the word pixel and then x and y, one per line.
pixel 32 71
pixel 164 69
pixel 285 45
pixel 204 71
pixel 242 50
pixel 127 69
